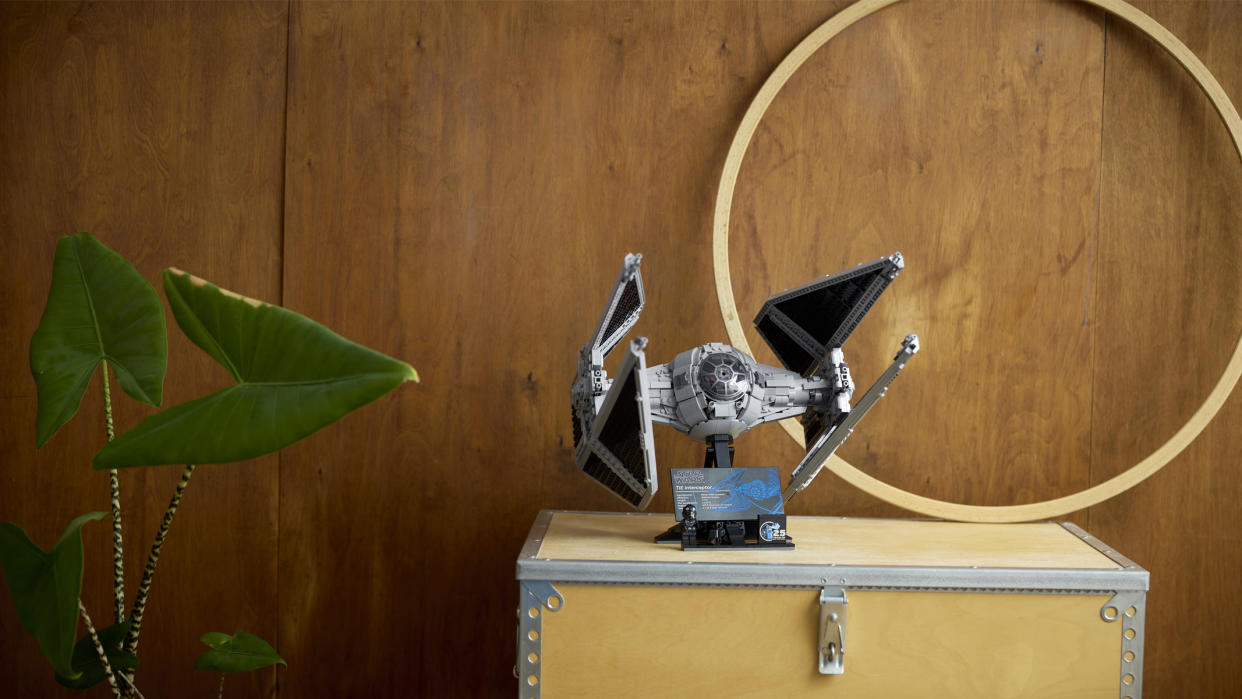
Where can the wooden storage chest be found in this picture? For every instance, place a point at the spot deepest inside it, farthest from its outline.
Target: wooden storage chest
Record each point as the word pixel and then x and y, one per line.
pixel 916 609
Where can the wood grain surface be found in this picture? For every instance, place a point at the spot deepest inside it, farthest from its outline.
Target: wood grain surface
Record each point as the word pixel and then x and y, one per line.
pixel 1118 10
pixel 833 541
pixel 455 184
pixel 966 645
pixel 1170 218
pixel 159 128
pixel 888 139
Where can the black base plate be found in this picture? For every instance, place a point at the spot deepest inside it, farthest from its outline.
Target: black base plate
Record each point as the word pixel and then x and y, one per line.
pixel 751 540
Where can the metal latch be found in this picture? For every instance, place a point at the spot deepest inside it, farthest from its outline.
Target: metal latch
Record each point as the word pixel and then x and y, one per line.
pixel 832 601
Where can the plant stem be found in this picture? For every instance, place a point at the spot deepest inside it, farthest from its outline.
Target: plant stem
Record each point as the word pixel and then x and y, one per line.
pixel 144 587
pixel 132 687
pixel 103 657
pixel 221 694
pixel 118 559
pixel 107 403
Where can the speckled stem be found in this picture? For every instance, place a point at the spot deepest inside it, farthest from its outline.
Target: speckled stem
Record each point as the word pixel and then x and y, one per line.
pixel 103 657
pixel 144 587
pixel 133 689
pixel 118 558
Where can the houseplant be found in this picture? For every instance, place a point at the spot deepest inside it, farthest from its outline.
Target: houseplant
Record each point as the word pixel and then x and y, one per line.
pixel 291 377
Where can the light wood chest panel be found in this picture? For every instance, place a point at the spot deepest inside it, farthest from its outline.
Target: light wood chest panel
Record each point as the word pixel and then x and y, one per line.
pixel 933 609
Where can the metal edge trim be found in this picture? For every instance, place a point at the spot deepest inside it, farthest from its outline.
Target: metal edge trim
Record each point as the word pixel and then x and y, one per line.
pixel 1109 552
pixel 534 540
pixel 691 573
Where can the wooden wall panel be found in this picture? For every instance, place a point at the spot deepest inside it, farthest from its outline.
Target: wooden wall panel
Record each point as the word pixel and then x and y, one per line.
pixel 158 127
pixel 966 136
pixel 462 182
pixel 352 559
pixel 1167 319
pixel 474 174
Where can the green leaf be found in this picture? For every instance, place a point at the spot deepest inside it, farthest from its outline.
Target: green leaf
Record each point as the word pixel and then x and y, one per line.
pixel 86 658
pixel 293 377
pixel 215 639
pixel 46 586
pixel 99 307
pixel 240 653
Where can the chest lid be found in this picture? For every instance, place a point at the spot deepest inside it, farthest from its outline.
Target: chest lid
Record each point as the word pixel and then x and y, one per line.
pixel 856 553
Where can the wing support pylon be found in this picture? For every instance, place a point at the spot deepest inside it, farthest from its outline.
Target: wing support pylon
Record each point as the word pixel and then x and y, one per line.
pixel 836 434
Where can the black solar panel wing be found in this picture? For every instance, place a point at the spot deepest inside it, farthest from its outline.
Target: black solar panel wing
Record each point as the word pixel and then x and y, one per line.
pixel 802 324
pixel 621 453
pixel 624 305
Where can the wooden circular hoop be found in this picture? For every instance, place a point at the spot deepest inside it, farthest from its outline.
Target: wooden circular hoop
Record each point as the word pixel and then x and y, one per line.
pixel 904 499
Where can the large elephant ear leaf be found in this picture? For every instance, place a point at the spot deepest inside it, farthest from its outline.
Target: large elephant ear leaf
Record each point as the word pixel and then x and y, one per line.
pixel 86 662
pixel 293 377
pixel 46 587
pixel 99 307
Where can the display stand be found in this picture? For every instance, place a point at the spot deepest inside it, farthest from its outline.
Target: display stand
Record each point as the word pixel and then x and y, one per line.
pixel 765 530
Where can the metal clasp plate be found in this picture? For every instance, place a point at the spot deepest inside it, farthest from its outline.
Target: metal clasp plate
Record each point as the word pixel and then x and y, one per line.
pixel 832 601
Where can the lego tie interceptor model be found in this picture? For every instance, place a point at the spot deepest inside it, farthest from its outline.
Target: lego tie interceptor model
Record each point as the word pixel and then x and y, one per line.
pixel 715 392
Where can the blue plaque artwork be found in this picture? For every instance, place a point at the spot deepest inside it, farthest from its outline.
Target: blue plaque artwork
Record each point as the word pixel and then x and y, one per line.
pixel 727 493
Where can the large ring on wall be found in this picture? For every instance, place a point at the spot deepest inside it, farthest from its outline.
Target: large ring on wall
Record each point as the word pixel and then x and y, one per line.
pixel 873 486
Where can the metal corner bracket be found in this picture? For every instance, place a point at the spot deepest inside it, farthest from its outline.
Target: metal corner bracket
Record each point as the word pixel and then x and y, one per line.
pixel 1130 606
pixel 534 597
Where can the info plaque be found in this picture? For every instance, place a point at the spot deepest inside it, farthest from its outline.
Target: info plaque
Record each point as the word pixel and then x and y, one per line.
pixel 727 493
